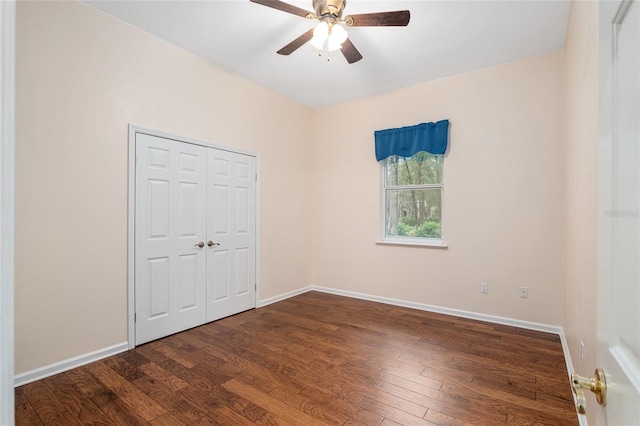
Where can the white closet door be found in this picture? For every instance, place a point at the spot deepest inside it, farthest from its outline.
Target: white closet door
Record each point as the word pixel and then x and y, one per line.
pixel 231 233
pixel 170 222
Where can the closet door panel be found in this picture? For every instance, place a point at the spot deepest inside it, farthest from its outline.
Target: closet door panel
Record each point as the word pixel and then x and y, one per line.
pixel 170 222
pixel 231 229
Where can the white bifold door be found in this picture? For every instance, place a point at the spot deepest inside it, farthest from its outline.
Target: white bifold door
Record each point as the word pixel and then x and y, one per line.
pixel 195 250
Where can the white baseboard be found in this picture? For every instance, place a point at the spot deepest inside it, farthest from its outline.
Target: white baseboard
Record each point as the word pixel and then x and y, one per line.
pixel 284 296
pixel 582 420
pixel 68 364
pixel 447 311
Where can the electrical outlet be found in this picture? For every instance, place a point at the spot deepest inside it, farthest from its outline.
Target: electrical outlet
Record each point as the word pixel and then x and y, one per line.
pixel 298 269
pixel 484 288
pixel 524 292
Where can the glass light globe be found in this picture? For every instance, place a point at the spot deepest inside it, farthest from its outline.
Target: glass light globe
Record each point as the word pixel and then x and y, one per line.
pixel 320 35
pixel 337 37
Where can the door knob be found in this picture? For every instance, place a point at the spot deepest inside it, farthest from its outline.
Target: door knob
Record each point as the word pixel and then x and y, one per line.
pixel 597 385
pixel 211 243
pixel 200 244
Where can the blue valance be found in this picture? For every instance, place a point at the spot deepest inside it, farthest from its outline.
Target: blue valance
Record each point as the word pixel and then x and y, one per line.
pixel 406 141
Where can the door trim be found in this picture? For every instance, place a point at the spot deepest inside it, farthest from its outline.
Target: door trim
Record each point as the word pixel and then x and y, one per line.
pixel 7 205
pixel 133 130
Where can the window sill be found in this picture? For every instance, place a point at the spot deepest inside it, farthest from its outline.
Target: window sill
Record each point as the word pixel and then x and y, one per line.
pixel 435 244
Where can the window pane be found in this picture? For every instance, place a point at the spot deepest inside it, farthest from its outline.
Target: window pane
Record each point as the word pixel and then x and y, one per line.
pixel 413 213
pixel 421 169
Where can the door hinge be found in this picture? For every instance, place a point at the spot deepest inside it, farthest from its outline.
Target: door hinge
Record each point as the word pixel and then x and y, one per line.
pixel 135 317
pixel 256 177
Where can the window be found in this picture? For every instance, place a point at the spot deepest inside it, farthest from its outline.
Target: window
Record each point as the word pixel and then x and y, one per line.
pixel 412 198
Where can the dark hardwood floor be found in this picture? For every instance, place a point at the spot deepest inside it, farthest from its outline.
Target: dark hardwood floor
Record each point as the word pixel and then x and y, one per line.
pixel 318 359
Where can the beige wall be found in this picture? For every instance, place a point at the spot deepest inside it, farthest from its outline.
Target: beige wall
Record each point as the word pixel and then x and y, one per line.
pixel 502 202
pixel 82 77
pixel 581 171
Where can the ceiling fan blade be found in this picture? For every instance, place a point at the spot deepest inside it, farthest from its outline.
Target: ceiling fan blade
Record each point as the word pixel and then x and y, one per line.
pixel 295 44
pixel 285 7
pixel 399 18
pixel 350 52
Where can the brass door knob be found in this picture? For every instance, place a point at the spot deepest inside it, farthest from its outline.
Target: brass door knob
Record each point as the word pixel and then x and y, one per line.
pixel 597 385
pixel 211 243
pixel 200 244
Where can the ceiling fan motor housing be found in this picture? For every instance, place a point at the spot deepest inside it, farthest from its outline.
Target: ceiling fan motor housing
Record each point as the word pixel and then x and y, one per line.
pixel 329 8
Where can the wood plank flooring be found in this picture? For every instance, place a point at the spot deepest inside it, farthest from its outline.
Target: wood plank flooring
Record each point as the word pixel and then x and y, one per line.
pixel 318 359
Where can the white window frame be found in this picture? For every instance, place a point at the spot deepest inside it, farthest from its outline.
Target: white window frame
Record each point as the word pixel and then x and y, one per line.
pixel 403 240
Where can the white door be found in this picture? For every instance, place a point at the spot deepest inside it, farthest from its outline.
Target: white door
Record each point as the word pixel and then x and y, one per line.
pixel 619 224
pixel 170 224
pixel 231 234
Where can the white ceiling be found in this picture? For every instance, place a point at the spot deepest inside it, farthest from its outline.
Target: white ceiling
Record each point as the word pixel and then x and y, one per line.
pixel 443 38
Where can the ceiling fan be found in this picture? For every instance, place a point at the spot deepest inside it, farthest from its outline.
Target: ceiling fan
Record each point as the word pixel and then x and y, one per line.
pixel 329 33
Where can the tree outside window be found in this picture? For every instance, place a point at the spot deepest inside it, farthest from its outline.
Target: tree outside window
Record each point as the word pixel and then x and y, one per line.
pixel 413 197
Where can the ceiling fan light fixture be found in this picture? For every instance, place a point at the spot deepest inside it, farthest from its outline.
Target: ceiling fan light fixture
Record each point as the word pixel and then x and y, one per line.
pixel 337 36
pixel 320 35
pixel 333 35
